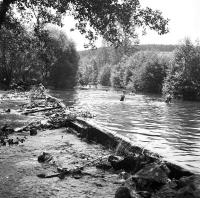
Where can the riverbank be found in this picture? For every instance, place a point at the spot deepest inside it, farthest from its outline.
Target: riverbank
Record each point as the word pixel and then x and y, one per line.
pixel 55 135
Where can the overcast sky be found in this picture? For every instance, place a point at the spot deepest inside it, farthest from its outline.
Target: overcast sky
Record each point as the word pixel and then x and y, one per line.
pixel 184 22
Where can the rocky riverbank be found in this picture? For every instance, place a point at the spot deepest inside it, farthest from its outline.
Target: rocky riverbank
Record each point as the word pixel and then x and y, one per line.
pixel 60 154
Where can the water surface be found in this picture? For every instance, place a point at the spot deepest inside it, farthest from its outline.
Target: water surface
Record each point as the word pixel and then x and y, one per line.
pixel 172 130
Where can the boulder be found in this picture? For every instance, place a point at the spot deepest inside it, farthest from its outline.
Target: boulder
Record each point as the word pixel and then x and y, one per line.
pixel 167 191
pixel 33 131
pixel 189 187
pixel 45 157
pixel 6 130
pixel 123 192
pixel 7 110
pixel 151 178
pixel 156 172
pixel 131 163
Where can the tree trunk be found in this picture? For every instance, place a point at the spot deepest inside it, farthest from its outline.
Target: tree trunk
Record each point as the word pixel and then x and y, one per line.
pixel 4 7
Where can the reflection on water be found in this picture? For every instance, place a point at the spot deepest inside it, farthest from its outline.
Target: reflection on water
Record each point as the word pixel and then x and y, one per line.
pixel 172 130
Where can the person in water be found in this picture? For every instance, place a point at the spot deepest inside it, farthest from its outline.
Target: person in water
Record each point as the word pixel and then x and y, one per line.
pixel 168 98
pixel 122 96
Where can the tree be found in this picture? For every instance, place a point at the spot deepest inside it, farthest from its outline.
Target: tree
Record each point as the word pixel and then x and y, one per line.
pixel 15 58
pixel 104 75
pixel 183 77
pixel 148 72
pixel 110 18
pixel 60 59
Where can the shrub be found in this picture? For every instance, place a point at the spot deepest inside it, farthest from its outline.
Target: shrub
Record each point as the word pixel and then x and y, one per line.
pixel 183 77
pixel 148 71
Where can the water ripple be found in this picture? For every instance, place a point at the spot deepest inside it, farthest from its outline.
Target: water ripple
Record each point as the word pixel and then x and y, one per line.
pixel 172 130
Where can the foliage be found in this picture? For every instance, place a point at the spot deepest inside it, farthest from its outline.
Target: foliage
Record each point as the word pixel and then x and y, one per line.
pixel 60 58
pixel 47 59
pixel 183 79
pixel 118 77
pixel 112 19
pixel 15 58
pixel 148 72
pixel 88 71
pixel 25 58
pixel 142 71
pixel 104 75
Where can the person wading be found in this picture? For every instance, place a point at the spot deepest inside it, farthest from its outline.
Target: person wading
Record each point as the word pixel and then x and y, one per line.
pixel 122 96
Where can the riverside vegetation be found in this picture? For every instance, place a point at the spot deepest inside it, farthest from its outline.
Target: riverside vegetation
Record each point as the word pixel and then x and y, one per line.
pixel 32 49
pixel 169 69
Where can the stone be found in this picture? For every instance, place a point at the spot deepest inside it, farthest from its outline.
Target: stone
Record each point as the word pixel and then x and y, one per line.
pixel 33 131
pixel 167 191
pixel 150 178
pixel 156 172
pixel 189 187
pixel 45 157
pixel 187 192
pixel 176 172
pixel 7 110
pixel 123 192
pixel 129 163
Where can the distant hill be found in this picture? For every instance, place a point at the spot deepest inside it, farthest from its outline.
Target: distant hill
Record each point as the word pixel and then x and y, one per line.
pixel 147 47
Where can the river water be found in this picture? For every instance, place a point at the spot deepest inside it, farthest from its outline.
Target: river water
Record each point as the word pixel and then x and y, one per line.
pixel 172 130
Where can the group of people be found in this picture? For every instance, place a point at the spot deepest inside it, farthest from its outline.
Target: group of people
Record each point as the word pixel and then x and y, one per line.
pixel 168 98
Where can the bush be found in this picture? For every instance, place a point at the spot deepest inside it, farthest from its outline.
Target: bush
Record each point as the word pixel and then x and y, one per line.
pixel 104 75
pixel 183 77
pixel 118 77
pixel 148 71
pixel 63 71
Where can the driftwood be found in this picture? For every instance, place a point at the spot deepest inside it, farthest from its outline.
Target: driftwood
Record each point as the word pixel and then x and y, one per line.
pixel 75 171
pixel 40 110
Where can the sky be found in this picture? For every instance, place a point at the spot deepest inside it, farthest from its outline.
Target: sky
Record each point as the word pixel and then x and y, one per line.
pixel 184 16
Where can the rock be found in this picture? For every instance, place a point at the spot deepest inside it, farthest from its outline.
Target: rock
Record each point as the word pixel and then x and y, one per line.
pixel 130 163
pixel 6 130
pixel 189 187
pixel 176 172
pixel 33 131
pixel 187 192
pixel 7 110
pixel 16 141
pixel 3 141
pixel 151 178
pixel 10 141
pixel 156 172
pixel 22 140
pixel 104 165
pixel 123 192
pixel 191 180
pixel 45 157
pixel 167 191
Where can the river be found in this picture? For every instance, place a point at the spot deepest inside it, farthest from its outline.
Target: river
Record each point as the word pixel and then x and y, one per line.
pixel 172 130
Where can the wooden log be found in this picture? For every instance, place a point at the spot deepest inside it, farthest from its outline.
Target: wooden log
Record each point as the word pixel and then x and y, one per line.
pixel 40 110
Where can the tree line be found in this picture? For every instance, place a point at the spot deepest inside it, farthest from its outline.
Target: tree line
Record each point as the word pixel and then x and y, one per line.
pixel 176 73
pixel 29 51
pixel 27 58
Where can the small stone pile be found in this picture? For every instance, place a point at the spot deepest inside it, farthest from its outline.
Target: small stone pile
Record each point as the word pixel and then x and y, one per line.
pixel 5 131
pixel 153 178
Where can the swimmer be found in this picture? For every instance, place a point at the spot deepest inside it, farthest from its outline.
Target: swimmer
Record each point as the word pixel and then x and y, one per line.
pixel 122 96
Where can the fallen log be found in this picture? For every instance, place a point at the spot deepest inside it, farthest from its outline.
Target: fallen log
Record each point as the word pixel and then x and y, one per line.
pixel 40 110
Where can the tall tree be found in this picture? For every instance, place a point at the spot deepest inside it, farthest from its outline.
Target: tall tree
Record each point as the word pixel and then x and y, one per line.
pixel 109 18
